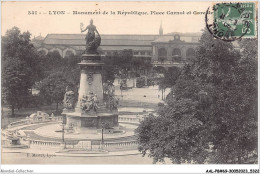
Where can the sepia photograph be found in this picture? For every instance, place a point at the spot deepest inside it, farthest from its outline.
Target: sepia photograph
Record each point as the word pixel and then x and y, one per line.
pixel 130 83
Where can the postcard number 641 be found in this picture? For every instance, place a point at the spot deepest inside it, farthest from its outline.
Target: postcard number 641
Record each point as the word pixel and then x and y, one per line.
pixel 32 12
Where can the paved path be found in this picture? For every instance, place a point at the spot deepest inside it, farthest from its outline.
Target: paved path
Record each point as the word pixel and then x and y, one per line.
pixel 140 97
pixel 56 152
pixel 22 158
pixel 34 136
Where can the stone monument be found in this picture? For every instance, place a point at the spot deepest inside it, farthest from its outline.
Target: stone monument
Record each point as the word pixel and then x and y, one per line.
pixel 90 110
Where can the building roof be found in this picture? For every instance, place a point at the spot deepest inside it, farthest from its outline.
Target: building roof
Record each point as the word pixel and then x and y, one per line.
pixel 116 48
pixel 197 34
pixel 119 48
pixel 115 40
pixel 111 40
pixel 169 38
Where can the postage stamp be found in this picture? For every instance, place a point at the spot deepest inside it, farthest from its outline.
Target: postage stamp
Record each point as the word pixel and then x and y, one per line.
pixel 232 21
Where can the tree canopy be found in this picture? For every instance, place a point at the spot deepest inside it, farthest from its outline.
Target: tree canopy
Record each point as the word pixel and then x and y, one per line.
pixel 213 116
pixel 20 66
pixel 23 68
pixel 53 88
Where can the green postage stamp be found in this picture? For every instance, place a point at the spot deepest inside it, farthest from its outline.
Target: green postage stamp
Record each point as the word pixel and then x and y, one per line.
pixel 233 21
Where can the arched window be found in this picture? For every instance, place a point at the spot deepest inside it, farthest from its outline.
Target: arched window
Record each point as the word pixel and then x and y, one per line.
pixel 176 37
pixel 56 50
pixel 56 53
pixel 162 55
pixel 43 51
pixel 69 54
pixel 176 52
pixel 190 53
pixel 176 55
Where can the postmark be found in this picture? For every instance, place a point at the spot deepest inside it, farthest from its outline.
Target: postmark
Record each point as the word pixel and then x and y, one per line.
pixel 232 21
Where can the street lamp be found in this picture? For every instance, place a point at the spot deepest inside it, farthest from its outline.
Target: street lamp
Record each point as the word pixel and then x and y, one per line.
pixel 63 130
pixel 102 132
pixel 62 133
pixel 28 140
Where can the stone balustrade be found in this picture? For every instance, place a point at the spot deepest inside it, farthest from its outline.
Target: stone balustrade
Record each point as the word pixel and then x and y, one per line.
pixel 129 119
pixel 19 123
pixel 120 144
pixel 28 121
pixel 44 143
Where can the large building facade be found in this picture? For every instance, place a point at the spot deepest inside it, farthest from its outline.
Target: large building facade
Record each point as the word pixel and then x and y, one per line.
pixel 161 50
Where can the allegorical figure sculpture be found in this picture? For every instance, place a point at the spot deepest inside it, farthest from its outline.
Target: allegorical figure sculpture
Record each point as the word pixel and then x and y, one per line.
pixel 89 102
pixel 109 96
pixel 93 38
pixel 69 99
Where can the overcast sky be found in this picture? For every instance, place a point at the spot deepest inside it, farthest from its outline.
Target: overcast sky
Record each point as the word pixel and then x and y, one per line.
pixel 16 14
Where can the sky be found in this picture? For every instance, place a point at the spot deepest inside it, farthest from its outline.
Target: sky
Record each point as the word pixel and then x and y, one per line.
pixel 46 22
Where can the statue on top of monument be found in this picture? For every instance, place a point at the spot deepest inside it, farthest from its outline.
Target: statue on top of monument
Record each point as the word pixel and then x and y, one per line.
pixel 93 38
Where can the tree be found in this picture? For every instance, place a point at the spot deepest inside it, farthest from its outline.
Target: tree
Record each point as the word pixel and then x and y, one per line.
pixel 20 67
pixel 108 73
pixel 53 88
pixel 122 60
pixel 109 70
pixel 216 99
pixel 140 63
pixel 169 79
pixel 53 62
pixel 175 134
pixel 230 80
pixel 71 69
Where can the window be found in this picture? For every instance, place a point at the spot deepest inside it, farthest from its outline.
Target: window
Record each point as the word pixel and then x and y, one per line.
pixel 176 55
pixel 162 54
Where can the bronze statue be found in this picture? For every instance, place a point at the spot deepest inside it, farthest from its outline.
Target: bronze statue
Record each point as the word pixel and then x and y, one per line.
pixel 92 40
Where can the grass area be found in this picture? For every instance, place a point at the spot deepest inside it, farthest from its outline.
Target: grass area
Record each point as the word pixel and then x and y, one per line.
pixel 132 103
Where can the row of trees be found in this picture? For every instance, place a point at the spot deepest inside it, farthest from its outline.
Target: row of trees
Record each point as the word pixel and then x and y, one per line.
pixel 213 116
pixel 19 67
pixel 23 68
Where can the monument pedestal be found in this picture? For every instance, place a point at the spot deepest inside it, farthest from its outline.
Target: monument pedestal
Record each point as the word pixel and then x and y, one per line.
pixel 91 83
pixel 92 119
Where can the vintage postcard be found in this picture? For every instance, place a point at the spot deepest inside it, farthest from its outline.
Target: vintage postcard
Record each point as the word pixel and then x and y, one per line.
pixel 137 83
